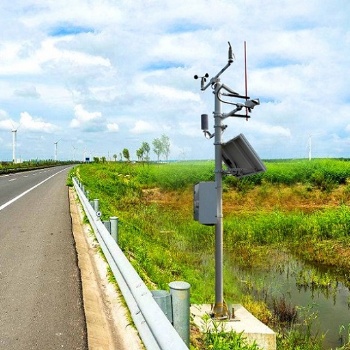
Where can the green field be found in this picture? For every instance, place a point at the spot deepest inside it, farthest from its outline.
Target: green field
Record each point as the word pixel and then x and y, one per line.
pixel 293 204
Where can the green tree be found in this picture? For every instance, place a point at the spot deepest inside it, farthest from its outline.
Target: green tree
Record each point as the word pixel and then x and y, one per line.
pixel 157 147
pixel 126 154
pixel 146 149
pixel 139 154
pixel 165 146
pixel 115 157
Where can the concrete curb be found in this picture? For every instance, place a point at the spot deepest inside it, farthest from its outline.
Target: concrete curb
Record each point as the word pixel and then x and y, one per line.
pixel 107 324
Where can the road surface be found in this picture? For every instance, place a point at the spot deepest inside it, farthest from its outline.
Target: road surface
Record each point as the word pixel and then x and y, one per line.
pixel 41 303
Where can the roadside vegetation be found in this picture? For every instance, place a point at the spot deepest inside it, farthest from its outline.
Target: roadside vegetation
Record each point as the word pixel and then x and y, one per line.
pixel 298 207
pixel 10 167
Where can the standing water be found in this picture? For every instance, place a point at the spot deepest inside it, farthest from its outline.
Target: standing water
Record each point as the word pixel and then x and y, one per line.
pixel 323 292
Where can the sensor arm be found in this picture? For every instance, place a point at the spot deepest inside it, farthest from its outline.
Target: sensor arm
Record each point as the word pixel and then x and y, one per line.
pixel 239 107
pixel 213 80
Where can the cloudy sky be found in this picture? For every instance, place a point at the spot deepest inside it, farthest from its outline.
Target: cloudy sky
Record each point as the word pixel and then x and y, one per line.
pixel 98 76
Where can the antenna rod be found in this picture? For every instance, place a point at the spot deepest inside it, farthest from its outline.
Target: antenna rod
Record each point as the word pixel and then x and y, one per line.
pixel 230 60
pixel 245 75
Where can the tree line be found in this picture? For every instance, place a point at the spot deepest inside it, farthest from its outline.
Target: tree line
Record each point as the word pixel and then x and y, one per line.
pixel 161 147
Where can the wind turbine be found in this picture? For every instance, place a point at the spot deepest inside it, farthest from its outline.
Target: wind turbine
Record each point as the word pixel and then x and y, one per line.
pixel 14 142
pixel 310 146
pixel 74 152
pixel 55 143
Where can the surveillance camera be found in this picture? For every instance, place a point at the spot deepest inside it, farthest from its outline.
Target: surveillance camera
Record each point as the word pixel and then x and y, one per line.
pixel 252 103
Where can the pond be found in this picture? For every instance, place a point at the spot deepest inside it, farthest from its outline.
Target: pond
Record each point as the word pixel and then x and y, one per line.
pixel 323 292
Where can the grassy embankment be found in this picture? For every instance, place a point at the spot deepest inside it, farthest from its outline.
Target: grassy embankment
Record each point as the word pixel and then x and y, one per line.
pixel 297 206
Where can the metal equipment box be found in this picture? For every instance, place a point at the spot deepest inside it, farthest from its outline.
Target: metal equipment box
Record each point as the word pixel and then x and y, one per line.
pixel 204 203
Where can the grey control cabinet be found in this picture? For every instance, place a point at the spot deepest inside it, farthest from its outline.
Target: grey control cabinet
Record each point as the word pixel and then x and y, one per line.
pixel 204 203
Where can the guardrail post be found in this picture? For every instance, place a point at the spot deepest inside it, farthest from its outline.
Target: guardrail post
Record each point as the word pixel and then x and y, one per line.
pixel 87 194
pixel 163 299
pixel 114 227
pixel 180 295
pixel 107 225
pixel 96 205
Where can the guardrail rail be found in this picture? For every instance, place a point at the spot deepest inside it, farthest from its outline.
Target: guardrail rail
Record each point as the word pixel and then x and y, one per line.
pixel 154 328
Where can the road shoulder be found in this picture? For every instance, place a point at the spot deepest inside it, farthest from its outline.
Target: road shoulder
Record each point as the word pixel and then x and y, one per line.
pixel 108 326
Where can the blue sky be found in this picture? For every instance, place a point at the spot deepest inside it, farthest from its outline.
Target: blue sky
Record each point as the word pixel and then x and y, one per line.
pixel 100 76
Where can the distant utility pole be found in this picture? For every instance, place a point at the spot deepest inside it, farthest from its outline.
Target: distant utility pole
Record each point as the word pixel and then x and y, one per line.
pixel 247 156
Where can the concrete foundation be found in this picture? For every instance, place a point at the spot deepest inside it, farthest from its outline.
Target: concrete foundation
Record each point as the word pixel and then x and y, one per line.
pixel 243 321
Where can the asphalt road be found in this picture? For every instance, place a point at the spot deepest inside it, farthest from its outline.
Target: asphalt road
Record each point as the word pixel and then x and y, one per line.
pixel 40 288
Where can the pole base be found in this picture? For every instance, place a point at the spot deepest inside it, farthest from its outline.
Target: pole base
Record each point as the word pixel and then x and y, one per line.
pixel 221 312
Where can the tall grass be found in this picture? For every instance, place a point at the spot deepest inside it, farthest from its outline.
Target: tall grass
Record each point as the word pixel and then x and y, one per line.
pixel 164 243
pixel 277 226
pixel 123 188
pixel 318 172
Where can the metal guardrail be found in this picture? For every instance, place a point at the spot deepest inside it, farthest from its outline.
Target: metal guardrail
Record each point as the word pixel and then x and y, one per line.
pixel 155 330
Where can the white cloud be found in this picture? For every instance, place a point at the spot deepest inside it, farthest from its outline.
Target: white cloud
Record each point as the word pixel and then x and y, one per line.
pixel 35 124
pixel 142 127
pixel 90 58
pixel 6 123
pixel 89 121
pixel 112 127
pixel 268 130
pixel 28 91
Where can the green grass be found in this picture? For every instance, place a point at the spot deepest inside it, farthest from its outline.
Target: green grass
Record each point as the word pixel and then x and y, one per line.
pixel 163 242
pixel 168 235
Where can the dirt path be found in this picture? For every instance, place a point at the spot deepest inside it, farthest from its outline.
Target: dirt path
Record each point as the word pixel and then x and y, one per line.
pixel 108 323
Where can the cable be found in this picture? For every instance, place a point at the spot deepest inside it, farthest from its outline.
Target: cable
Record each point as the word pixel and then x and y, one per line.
pixel 229 103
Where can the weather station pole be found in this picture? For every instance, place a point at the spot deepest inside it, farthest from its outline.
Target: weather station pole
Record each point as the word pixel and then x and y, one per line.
pixel 219 288
pixel 240 159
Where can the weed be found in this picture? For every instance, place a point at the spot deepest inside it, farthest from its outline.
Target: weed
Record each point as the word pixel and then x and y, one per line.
pixel 284 313
pixel 344 337
pixel 217 338
pixel 299 336
pixel 258 308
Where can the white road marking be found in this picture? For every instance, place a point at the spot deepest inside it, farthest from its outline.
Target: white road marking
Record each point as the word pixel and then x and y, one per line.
pixel 27 191
pixel 12 180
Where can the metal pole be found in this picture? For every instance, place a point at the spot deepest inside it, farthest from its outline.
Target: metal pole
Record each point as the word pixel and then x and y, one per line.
pixel 219 311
